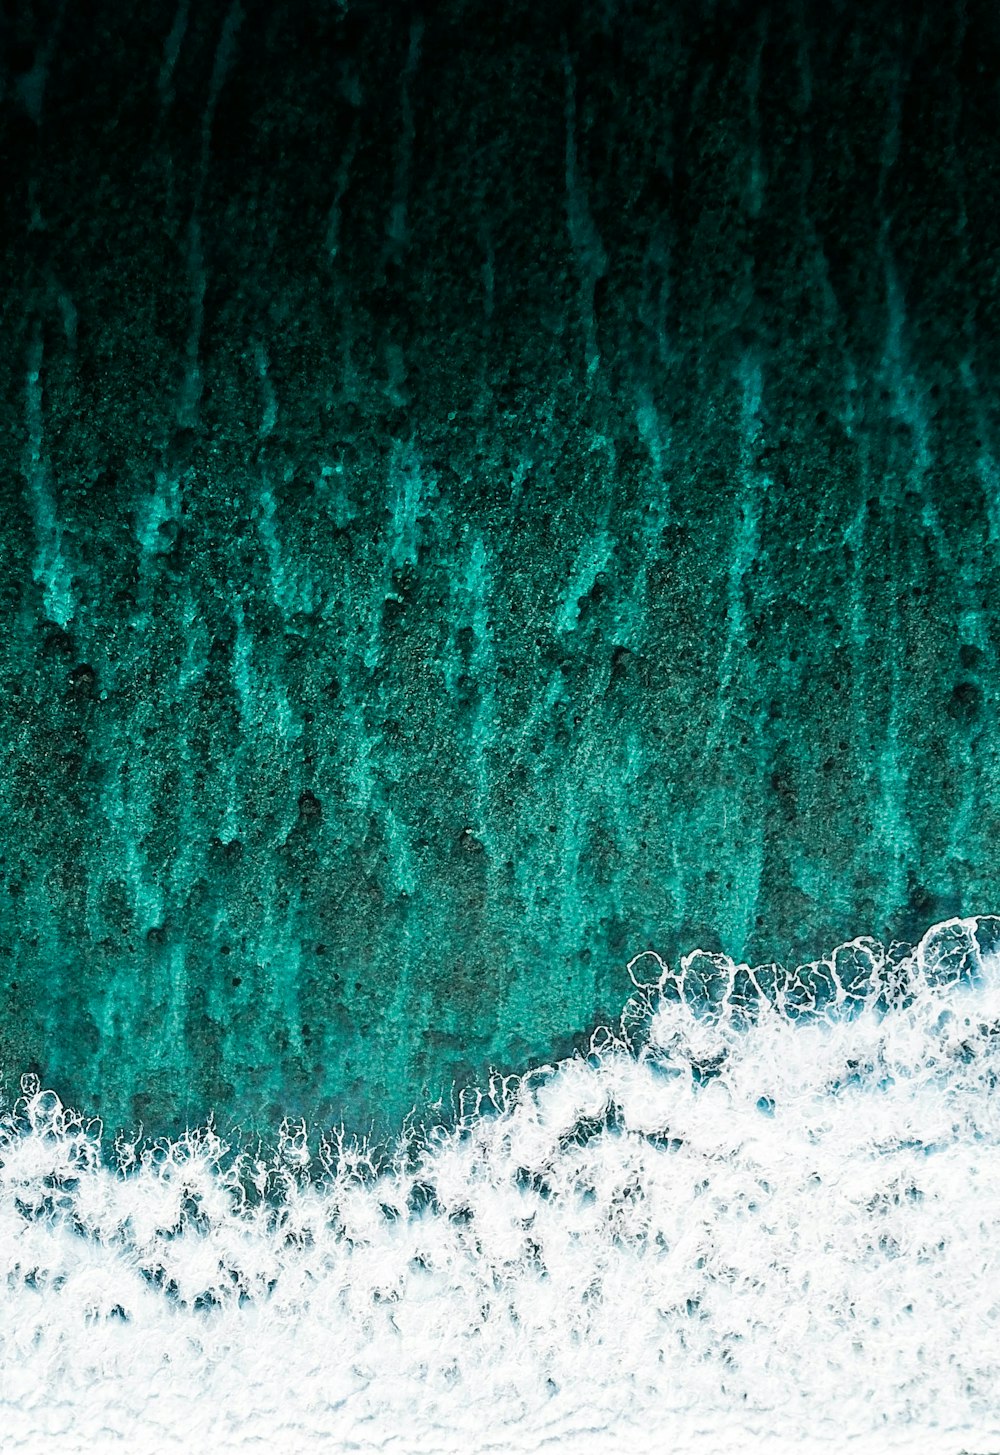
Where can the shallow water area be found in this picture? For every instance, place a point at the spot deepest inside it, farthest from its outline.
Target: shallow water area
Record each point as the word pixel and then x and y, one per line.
pixel 721 1230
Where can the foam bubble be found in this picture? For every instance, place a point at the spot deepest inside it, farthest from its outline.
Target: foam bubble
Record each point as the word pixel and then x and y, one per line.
pixel 764 1210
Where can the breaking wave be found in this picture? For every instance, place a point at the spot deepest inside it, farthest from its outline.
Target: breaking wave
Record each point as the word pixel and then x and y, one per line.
pixel 765 1209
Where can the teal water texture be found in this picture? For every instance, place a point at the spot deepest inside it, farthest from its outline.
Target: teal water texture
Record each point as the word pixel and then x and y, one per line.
pixel 450 546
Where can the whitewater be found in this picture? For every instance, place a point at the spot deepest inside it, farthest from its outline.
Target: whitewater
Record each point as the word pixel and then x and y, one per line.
pixel 763 1212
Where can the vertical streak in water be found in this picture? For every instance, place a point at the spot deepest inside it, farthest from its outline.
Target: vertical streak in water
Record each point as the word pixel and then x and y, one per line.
pixel 225 53
pixel 758 176
pixel 406 493
pixel 248 699
pixel 127 810
pixel 899 375
pixel 30 86
pixel 265 707
pixel 165 85
pixel 399 550
pixel 282 588
pixel 754 484
pixel 654 299
pixel 51 570
pixel 592 558
pixel 193 634
pixel 191 388
pixel 892 822
pixel 736 661
pixel 293 585
pixel 171 52
pixel 269 398
pixel 744 544
pixel 397 228
pixel 331 239
pixel 482 669
pixel 269 730
pixel 657 439
pixel 591 259
pixel 161 506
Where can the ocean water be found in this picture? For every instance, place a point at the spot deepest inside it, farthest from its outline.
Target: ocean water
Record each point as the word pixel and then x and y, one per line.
pixel 488 490
pixel 762 1212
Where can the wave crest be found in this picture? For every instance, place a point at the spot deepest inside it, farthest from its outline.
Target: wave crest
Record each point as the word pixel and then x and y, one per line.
pixel 743 1218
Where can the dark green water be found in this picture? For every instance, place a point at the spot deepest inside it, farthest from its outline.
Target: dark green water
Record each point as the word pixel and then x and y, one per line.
pixel 486 491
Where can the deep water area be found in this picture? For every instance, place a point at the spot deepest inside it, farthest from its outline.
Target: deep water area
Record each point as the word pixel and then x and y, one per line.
pixel 486 491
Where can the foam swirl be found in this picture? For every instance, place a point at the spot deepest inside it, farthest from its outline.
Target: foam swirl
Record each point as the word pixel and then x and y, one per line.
pixel 760 1211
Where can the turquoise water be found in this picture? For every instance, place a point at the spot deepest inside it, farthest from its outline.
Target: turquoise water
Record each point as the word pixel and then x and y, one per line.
pixel 451 545
pixel 498 684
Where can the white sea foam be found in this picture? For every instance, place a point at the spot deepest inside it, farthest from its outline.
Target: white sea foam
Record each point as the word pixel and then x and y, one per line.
pixel 739 1224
